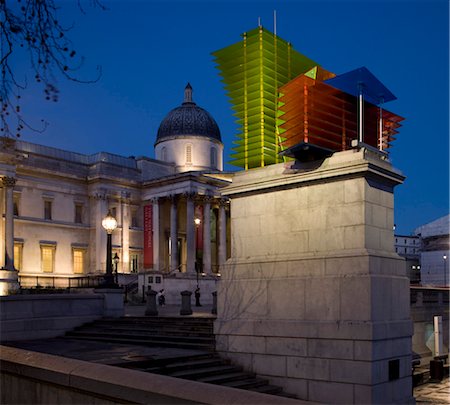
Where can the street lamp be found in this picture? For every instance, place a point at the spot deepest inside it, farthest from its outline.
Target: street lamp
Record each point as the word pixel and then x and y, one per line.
pixel 445 269
pixel 116 259
pixel 109 223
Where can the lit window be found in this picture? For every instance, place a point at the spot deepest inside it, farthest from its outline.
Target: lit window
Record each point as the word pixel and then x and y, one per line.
pixel 189 154
pixel 48 258
pixel 78 261
pixel 213 157
pixel 47 209
pixel 18 247
pixel 78 213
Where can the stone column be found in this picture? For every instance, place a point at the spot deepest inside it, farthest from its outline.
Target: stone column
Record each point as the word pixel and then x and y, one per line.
pixel 8 275
pixel 8 184
pixel 207 235
pixel 222 232
pixel 190 234
pixel 125 211
pixel 101 209
pixel 173 234
pixel 155 202
pixel 2 228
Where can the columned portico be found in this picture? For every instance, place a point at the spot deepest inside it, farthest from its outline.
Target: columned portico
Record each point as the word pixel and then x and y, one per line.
pixel 190 234
pixel 8 184
pixel 155 202
pixel 173 233
pixel 100 211
pixel 207 235
pixel 125 211
pixel 222 232
pixel 8 274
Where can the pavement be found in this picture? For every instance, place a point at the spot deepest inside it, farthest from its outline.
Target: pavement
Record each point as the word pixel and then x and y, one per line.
pixel 433 393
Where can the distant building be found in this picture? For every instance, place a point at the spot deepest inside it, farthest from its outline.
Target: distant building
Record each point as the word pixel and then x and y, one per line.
pixel 408 246
pixel 170 214
pixel 435 254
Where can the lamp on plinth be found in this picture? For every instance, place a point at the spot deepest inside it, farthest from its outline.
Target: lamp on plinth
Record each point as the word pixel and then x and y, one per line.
pixel 109 223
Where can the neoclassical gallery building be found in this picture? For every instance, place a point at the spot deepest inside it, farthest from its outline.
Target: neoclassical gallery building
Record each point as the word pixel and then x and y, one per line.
pixel 170 215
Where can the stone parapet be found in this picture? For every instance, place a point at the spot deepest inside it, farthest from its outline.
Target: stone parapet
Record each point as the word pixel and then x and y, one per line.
pixel 32 378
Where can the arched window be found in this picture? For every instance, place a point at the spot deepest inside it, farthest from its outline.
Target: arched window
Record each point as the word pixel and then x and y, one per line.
pixel 188 154
pixel 164 154
pixel 213 156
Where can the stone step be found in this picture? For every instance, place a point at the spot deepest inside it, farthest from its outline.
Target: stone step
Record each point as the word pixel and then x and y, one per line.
pixel 226 378
pixel 246 383
pixel 147 342
pixel 187 365
pixel 156 364
pixel 267 389
pixel 150 330
pixel 131 335
pixel 176 332
pixel 195 374
pixel 159 320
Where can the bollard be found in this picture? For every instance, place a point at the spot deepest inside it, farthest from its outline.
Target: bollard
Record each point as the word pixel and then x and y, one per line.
pixel 186 303
pixel 214 306
pixel 151 309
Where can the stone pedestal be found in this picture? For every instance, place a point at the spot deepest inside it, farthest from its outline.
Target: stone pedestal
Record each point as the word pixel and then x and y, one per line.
pixel 314 297
pixel 113 301
pixel 151 309
pixel 186 308
pixel 9 282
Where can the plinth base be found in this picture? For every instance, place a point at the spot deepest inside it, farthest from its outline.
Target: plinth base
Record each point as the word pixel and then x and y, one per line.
pixel 9 282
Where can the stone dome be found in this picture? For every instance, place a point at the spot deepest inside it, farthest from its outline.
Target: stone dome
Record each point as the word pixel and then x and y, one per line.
pixel 188 120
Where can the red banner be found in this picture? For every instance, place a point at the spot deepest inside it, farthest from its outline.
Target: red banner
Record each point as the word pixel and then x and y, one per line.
pixel 148 236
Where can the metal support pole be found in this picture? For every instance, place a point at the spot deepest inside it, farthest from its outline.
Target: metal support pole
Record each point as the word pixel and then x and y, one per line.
pixel 361 115
pixel 438 342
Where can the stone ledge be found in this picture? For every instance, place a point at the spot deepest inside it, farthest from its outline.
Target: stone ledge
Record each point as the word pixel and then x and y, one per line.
pixel 123 384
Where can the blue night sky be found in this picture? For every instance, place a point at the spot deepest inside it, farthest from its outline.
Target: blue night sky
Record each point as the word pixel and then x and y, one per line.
pixel 149 50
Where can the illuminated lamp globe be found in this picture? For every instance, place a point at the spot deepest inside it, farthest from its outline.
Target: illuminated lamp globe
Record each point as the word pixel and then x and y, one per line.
pixel 109 223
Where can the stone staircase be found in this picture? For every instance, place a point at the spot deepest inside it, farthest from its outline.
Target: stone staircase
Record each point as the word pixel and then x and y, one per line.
pixel 202 364
pixel 184 333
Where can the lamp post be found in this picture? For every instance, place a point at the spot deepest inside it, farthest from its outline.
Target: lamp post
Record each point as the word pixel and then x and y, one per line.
pixel 116 259
pixel 445 269
pixel 109 223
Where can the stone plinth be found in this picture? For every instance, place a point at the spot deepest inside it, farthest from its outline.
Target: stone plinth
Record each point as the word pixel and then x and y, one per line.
pixel 314 297
pixel 112 301
pixel 9 282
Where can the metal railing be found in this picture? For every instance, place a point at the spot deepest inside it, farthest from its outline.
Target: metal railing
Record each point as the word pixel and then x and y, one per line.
pixel 41 283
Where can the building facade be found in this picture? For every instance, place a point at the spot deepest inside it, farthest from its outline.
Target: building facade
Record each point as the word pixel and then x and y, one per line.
pixel 408 247
pixel 170 214
pixel 435 253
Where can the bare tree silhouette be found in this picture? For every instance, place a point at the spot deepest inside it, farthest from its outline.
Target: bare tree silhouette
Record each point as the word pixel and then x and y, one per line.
pixel 31 29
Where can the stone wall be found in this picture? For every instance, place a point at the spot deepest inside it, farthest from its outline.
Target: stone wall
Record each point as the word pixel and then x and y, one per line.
pixel 314 297
pixel 38 316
